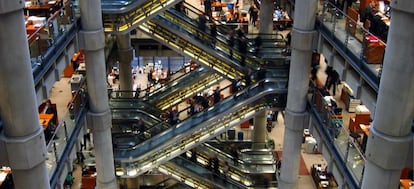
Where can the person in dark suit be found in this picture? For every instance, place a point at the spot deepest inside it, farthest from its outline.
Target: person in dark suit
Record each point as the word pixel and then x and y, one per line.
pixel 367 12
pixel 332 79
pixel 378 26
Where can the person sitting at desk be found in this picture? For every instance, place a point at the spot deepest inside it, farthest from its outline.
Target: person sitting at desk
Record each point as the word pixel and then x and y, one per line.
pixel 367 12
pixel 377 26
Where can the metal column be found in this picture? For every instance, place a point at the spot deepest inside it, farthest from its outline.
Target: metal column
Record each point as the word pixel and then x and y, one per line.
pixel 266 17
pixel 295 118
pixel 99 115
pixel 390 142
pixel 22 142
pixel 259 132
pixel 125 58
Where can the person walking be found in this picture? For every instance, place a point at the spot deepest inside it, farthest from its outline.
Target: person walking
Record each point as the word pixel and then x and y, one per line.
pixel 255 15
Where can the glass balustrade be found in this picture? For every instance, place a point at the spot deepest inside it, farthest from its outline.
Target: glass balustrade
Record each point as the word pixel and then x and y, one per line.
pixel 354 40
pixel 347 145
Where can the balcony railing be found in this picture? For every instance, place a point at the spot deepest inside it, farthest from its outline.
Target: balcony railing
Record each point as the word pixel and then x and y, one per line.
pixel 362 49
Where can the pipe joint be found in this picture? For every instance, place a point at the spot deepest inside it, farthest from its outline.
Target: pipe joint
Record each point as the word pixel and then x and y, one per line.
pixel 125 55
pixel 92 40
pixel 405 6
pixel 296 120
pixel 11 6
pixel 99 121
pixel 23 153
pixel 377 142
pixel 302 39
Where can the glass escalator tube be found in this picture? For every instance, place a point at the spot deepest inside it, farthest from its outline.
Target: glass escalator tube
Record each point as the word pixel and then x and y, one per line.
pixel 184 92
pixel 174 85
pixel 202 174
pixel 200 128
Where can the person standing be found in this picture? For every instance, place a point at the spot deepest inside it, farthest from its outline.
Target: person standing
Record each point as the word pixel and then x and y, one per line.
pixel 87 139
pixel 215 164
pixel 230 43
pixel 216 95
pixel 258 44
pixel 213 34
pixel 141 125
pixel 193 157
pixel 69 180
pixel 250 11
pixel 225 170
pixel 255 15
pixel 202 21
pixel 243 49
pixel 207 8
pixel 248 77
pixel 235 155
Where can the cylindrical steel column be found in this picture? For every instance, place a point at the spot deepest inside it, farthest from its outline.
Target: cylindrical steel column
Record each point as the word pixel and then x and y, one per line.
pixel 391 140
pixel 22 140
pixel 125 58
pixel 259 132
pixel 295 117
pixel 99 116
pixel 266 17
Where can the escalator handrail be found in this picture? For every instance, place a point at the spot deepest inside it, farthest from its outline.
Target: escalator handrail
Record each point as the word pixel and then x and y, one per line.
pixel 181 80
pixel 162 124
pixel 222 33
pixel 203 82
pixel 135 103
pixel 137 111
pixel 220 39
pixel 157 142
pixel 192 172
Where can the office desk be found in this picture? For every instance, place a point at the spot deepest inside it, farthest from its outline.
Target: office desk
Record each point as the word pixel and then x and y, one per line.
pixel 374 51
pixel 42 10
pixel 45 120
pixel 282 23
pixel 406 183
pixel 351 20
pixel 31 29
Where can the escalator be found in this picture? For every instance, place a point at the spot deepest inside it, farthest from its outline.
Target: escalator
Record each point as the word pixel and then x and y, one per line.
pixel 122 117
pixel 272 44
pixel 136 159
pixel 121 17
pixel 132 103
pixel 182 92
pixel 125 115
pixel 173 86
pixel 250 161
pixel 167 183
pixel 188 46
pixel 174 92
pixel 184 41
pixel 246 172
pixel 125 130
pixel 197 176
pixel 181 77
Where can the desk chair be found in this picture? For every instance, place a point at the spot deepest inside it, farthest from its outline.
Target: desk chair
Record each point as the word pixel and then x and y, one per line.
pixel 355 137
